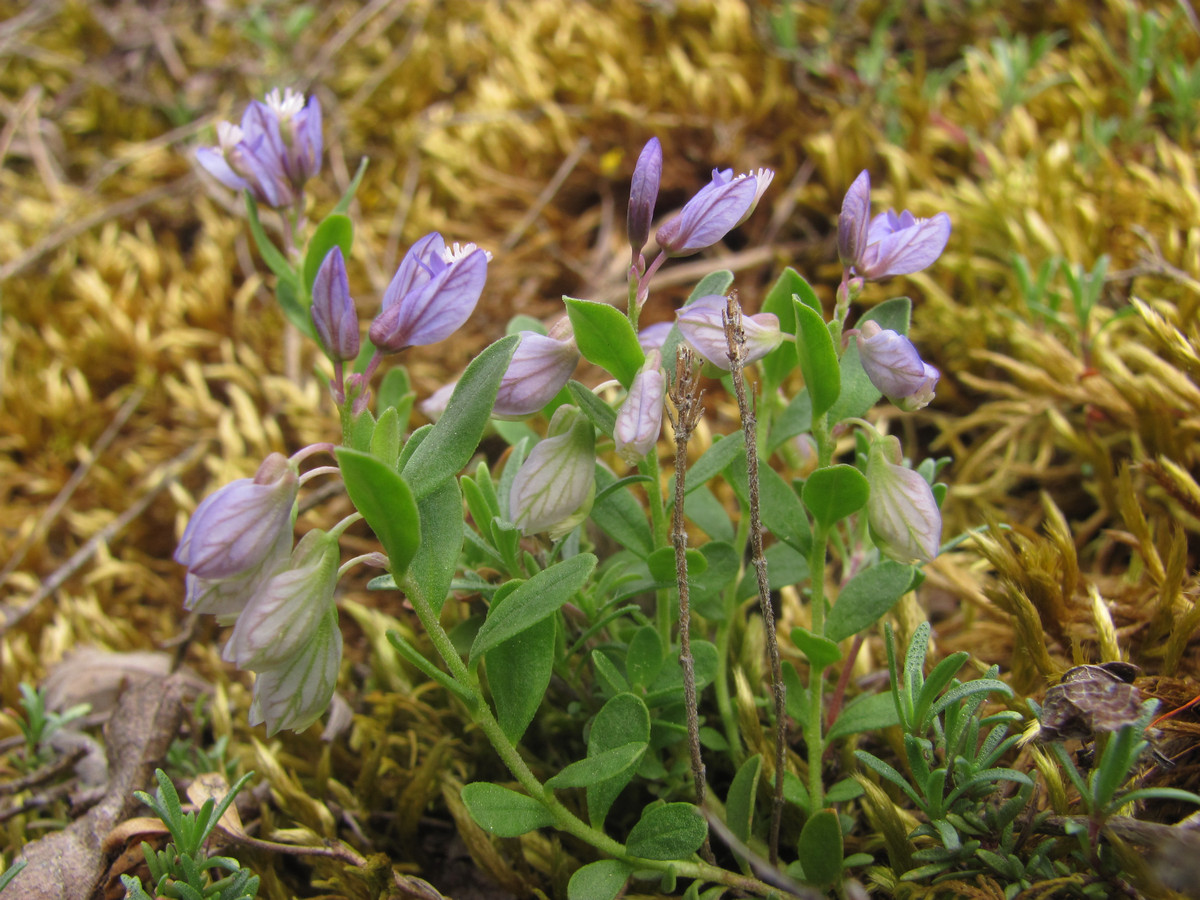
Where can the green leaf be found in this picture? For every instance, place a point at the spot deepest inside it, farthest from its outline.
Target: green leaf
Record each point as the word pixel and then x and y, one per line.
pixel 782 512
pixel 287 292
pixel 644 658
pixel 739 803
pixel 714 461
pixel 602 415
pixel 600 767
pixel 779 362
pixel 820 651
pixel 941 675
pixel 820 848
pixel 385 501
pixel 866 712
pixel 620 516
pixel 396 390
pixel 662 563
pixel 432 568
pixel 818 358
pixel 503 812
pixel 858 394
pixel 539 597
pixel 343 205
pixel 795 419
pixel 335 231
pixel 386 438
pixel 272 255
pixel 606 338
pixel 722 567
pixel 601 880
pixel 518 672
pixel 622 720
pixel 833 493
pixel 610 678
pixel 717 282
pixel 868 595
pixel 708 514
pixel 454 438
pixel 669 831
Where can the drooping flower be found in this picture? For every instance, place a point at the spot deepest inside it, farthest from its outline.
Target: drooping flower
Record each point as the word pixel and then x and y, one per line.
pixel 715 210
pixel 889 244
pixel 703 327
pixel 286 610
pixel 273 152
pixel 540 367
pixel 235 528
pixel 554 488
pixel 297 692
pixel 333 310
pixel 225 598
pixel 895 368
pixel 432 294
pixel 901 509
pixel 639 420
pixel 643 193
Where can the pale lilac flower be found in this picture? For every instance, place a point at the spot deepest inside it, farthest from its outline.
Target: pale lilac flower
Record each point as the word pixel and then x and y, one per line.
pixel 895 368
pixel 904 517
pixel 703 327
pixel 435 404
pixel 286 610
pixel 554 488
pixel 432 294
pixel 295 693
pixel 653 337
pixel 643 192
pixel 235 528
pixel 715 210
pixel 274 151
pixel 333 311
pixel 890 244
pixel 540 367
pixel 225 598
pixel 639 419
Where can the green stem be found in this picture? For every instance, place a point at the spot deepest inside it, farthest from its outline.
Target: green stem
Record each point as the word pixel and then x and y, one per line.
pixel 564 819
pixel 814 736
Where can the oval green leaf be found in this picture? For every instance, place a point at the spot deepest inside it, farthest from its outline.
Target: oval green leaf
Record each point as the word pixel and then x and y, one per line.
pixel 605 337
pixel 503 812
pixel 334 231
pixel 868 595
pixel 601 767
pixel 670 831
pixel 835 492
pixel 385 501
pixel 817 356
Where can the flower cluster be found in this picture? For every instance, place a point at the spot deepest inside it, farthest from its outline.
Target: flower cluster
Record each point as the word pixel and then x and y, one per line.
pixel 237 548
pixel 273 152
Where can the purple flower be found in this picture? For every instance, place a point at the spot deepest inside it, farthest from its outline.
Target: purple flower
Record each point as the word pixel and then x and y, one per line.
pixel 286 611
pixel 554 488
pixel 333 311
pixel 703 327
pixel 295 693
pixel 432 294
pixel 639 419
pixel 274 151
pixel 643 193
pixel 901 509
pixel 715 210
pixel 540 367
pixel 225 598
pixel 895 368
pixel 234 529
pixel 889 244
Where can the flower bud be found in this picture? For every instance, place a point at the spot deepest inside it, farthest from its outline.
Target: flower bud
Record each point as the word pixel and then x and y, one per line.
pixel 901 510
pixel 540 366
pixel 554 487
pixel 288 608
pixel 895 368
pixel 643 193
pixel 234 529
pixel 715 210
pixel 855 220
pixel 703 326
pixel 433 292
pixel 333 311
pixel 639 419
pixel 295 693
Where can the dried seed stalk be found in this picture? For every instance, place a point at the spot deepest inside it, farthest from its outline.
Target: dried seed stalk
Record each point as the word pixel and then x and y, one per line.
pixel 735 337
pixel 685 395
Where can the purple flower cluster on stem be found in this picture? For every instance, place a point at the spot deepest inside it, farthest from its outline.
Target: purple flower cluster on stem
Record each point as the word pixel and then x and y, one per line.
pixel 272 153
pixel 888 244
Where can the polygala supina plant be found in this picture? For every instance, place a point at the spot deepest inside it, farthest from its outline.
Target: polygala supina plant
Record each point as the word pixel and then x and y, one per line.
pixel 609 599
